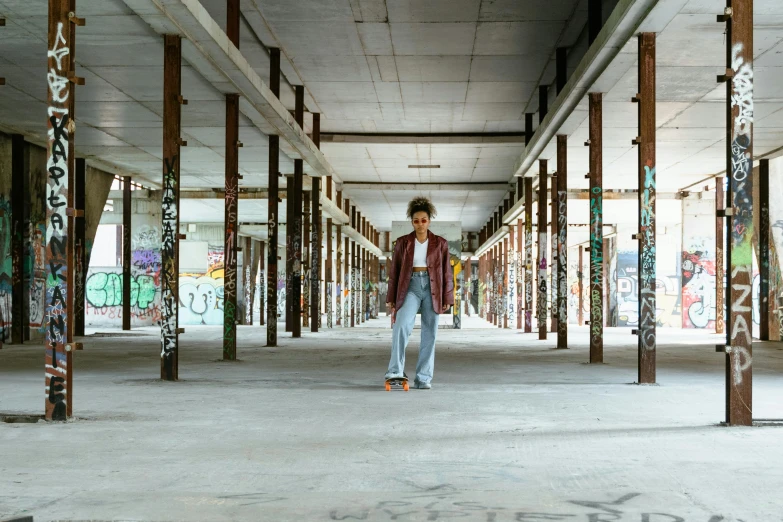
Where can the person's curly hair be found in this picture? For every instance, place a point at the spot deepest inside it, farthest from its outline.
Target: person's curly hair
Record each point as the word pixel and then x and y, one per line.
pixel 421 204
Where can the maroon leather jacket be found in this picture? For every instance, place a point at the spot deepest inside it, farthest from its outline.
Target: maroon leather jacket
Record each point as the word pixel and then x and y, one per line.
pixel 438 266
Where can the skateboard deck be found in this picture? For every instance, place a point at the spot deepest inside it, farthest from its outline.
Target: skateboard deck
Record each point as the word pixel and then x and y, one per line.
pixel 397 384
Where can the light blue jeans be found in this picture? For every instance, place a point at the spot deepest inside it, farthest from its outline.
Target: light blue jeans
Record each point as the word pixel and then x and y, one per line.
pixel 418 299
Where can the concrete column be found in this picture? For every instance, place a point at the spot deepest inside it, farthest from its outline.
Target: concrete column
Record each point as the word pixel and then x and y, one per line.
pixel 80 245
pixel 59 355
pixel 296 224
pixel 562 241
pixel 739 163
pixel 126 253
pixel 720 245
pixel 306 267
pixel 172 100
pixel 528 255
pixel 543 242
pixel 763 250
pixel 258 265
pixel 273 221
pixel 646 237
pixel 19 200
pixel 328 275
pixel 553 256
pixel 596 230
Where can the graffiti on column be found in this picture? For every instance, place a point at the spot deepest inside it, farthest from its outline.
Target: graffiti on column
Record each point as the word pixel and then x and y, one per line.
pixel 230 272
pixel 596 266
pixel 528 276
pixel 272 305
pixel 542 290
pixel 355 295
pixel 698 288
pixel 59 128
pixel 168 321
pixel 248 293
pixel 329 323
pixel 742 218
pixel 562 253
pixel 511 300
pixel 647 308
pixel 315 271
pixel 6 269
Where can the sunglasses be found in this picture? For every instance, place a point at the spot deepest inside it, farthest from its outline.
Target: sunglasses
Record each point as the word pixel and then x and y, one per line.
pixel 423 221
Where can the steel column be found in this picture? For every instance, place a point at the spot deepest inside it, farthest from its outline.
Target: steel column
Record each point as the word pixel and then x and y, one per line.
pixel 720 246
pixel 296 224
pixel 513 275
pixel 126 253
pixel 247 283
pixel 562 241
pixel 172 101
pixel 347 278
pixel 503 247
pixel 596 230
pixel 231 228
pixel 763 250
pixel 646 237
pixel 273 221
pixel 81 248
pixel 328 274
pixel 541 262
pixel 528 255
pixel 353 269
pixel 739 162
pixel 340 286
pixel 519 260
pixel 19 200
pixel 260 255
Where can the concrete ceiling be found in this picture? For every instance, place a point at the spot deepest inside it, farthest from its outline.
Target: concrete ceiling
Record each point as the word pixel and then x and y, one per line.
pixel 397 66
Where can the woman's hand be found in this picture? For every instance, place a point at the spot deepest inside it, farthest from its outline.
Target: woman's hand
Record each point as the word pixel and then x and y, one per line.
pixel 445 308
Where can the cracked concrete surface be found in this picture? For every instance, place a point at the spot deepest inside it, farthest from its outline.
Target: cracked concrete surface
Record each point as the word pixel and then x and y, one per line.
pixel 512 430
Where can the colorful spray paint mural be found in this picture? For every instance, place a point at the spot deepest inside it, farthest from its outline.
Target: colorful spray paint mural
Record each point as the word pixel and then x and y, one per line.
pixel 202 295
pixel 698 288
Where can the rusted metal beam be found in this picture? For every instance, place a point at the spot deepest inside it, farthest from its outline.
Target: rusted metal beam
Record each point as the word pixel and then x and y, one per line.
pixel 720 249
pixel 328 274
pixel 646 236
pixel 19 200
pixel 347 278
pixel 763 250
pixel 513 275
pixel 306 259
pixel 596 229
pixel 259 261
pixel 80 245
pixel 528 255
pixel 59 356
pixel 541 261
pixel 247 281
pixel 172 101
pixel 503 247
pixel 739 163
pixel 354 272
pixel 338 276
pixel 126 253
pixel 273 220
pixel 562 241
pixel 231 228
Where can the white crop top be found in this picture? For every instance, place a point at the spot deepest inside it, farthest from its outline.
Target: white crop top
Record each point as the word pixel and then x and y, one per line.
pixel 420 253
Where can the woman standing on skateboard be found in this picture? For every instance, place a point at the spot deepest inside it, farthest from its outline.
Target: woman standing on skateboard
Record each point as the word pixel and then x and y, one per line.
pixel 420 280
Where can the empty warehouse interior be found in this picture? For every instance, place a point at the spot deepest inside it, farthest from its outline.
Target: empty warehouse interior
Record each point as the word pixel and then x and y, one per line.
pixel 205 242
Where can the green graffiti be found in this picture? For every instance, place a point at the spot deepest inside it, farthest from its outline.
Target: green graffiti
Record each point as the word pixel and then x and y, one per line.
pixel 105 289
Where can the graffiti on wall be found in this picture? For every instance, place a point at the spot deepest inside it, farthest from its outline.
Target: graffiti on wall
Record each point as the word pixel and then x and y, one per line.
pixel 5 270
pixel 698 289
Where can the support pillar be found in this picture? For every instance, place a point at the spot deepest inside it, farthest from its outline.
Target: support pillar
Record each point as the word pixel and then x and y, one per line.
pixel 646 237
pixel 596 230
pixel 273 221
pixel 580 316
pixel 20 199
pixel 503 247
pixel 340 286
pixel 306 268
pixel 353 270
pixel 59 190
pixel 81 248
pixel 296 225
pixel 328 274
pixel 542 248
pixel 248 280
pixel 562 241
pixel 260 256
pixel 126 253
pixel 553 256
pixel 231 228
pixel 720 245
pixel 513 275
pixel 348 290
pixel 315 240
pixel 528 255
pixel 172 100
pixel 519 269
pixel 739 162
pixel 763 250
pixel 289 253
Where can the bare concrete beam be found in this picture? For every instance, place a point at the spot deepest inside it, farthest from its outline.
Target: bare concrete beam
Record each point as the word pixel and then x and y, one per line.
pixel 424 139
pixel 357 186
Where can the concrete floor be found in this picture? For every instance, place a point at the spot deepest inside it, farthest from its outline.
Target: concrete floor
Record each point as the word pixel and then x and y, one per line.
pixel 512 430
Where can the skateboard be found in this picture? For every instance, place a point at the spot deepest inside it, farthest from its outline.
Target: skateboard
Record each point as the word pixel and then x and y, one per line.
pixel 397 384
